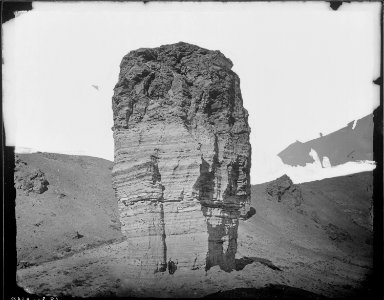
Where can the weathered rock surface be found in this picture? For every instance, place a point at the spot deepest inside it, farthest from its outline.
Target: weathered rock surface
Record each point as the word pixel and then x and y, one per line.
pixel 283 190
pixel 182 156
pixel 29 180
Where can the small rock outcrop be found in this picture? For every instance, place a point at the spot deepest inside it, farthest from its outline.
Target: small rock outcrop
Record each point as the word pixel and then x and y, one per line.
pixel 283 190
pixel 29 180
pixel 336 234
pixel 182 156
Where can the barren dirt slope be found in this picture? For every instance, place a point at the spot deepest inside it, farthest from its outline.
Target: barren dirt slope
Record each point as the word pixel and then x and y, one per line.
pixel 76 212
pixel 324 244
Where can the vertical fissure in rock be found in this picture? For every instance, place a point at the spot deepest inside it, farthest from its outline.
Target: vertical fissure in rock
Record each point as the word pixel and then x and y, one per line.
pixel 128 113
pixel 205 183
pixel 163 237
pixel 156 179
pixel 147 83
pixel 233 176
pixel 216 167
pixel 154 169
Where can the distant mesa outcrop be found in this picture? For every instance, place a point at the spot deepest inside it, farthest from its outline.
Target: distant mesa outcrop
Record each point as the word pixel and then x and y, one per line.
pixel 351 143
pixel 182 156
pixel 283 190
pixel 29 180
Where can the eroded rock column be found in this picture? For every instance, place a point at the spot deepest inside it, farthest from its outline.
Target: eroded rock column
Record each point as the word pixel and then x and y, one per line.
pixel 182 156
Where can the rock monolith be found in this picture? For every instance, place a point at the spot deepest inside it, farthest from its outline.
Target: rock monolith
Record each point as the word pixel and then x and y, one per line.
pixel 182 157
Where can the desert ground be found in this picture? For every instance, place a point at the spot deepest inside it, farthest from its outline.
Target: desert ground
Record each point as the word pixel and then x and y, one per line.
pixel 69 240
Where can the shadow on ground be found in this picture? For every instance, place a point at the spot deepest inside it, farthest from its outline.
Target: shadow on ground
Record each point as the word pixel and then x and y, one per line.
pixel 242 262
pixel 269 292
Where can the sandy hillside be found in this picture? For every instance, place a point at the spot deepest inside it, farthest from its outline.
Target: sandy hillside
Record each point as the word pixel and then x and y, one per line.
pixel 78 210
pixel 322 246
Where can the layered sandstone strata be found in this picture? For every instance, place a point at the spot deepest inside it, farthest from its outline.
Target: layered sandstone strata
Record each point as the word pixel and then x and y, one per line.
pixel 182 156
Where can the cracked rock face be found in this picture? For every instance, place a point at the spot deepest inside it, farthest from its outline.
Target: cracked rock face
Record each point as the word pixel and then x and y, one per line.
pixel 182 156
pixel 283 190
pixel 29 180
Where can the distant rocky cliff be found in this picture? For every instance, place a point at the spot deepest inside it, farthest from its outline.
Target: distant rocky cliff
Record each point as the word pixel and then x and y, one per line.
pixel 182 156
